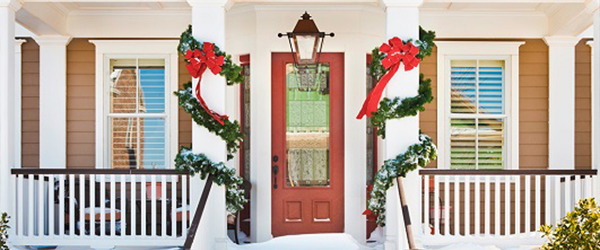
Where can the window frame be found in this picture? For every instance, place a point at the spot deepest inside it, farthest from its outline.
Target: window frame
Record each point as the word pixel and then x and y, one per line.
pixel 137 49
pixel 508 52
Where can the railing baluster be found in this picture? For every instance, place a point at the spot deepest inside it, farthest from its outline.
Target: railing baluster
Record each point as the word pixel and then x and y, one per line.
pixel 61 205
pixel 538 203
pixel 30 204
pixel 518 205
pixel 72 205
pixel 153 205
pixel 507 201
pixel 487 203
pixel 123 201
pixel 184 204
pixel 446 205
pixel 163 203
pixel 81 204
pixel 425 207
pixel 143 216
pixel 50 205
pixel 174 181
pixel 21 211
pixel 113 206
pixel 92 205
pixel 477 203
pixel 41 206
pixel 577 194
pixel 568 202
pixel 102 205
pixel 527 204
pixel 557 198
pixel 588 186
pixel 467 215
pixel 497 206
pixel 548 193
pixel 133 192
pixel 456 205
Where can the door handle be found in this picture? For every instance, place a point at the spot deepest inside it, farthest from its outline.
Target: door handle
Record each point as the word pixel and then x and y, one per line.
pixel 275 172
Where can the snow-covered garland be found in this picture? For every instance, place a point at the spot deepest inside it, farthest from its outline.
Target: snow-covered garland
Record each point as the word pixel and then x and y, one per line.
pixel 200 57
pixel 419 154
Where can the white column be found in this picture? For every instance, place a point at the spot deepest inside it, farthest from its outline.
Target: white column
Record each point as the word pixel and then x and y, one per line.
pixel 208 25
pixel 18 101
pixel 53 101
pixel 561 102
pixel 7 101
pixel 402 21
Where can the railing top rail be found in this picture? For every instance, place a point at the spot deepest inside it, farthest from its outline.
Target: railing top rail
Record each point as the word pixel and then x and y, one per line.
pixel 24 171
pixel 508 172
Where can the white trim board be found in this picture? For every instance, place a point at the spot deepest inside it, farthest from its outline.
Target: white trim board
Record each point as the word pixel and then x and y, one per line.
pixel 483 50
pixel 106 49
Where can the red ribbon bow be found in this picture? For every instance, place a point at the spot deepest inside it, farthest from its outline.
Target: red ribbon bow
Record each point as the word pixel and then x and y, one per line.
pixel 396 52
pixel 199 62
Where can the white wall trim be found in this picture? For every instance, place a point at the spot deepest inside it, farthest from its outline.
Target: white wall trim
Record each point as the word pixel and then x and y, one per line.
pixel 18 102
pixel 507 51
pixel 106 49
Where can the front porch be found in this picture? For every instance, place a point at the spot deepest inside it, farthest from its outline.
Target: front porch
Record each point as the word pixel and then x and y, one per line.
pixel 68 183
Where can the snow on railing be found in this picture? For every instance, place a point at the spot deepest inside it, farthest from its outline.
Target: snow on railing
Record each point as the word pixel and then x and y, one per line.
pixel 111 207
pixel 484 204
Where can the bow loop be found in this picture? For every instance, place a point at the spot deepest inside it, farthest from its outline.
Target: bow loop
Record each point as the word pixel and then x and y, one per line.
pixel 396 52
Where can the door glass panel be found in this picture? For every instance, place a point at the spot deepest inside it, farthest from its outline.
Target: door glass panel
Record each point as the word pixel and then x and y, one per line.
pixel 307 127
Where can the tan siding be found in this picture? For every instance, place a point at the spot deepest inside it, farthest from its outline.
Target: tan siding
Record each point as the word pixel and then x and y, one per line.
pixel 428 118
pixel 533 110
pixel 185 120
pixel 533 65
pixel 583 114
pixel 30 151
pixel 81 104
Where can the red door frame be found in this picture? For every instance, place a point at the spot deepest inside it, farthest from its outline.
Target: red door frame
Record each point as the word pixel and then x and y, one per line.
pixel 308 198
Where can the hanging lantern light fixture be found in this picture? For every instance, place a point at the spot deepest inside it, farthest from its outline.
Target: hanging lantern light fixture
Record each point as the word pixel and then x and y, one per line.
pixel 306 42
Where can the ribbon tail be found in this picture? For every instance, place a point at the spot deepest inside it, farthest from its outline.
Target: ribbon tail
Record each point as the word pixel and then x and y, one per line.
pixel 372 101
pixel 214 114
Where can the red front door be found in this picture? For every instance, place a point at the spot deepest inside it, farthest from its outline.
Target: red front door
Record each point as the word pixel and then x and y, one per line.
pixel 307 147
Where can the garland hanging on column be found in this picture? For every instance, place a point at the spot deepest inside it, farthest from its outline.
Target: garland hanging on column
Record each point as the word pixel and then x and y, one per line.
pixel 386 62
pixel 200 57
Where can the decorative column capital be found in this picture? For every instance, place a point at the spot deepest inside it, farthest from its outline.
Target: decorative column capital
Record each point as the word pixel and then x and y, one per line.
pixel 209 3
pixel 52 40
pixel 561 41
pixel 15 5
pixel 402 3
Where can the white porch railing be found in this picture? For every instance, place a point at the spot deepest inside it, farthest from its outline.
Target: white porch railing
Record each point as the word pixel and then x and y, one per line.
pixel 483 206
pixel 96 207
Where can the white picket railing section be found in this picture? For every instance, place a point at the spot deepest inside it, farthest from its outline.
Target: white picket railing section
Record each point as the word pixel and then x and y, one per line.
pixel 100 207
pixel 487 206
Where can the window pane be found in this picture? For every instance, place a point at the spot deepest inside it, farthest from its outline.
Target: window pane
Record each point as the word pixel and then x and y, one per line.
pixel 463 84
pixel 152 85
pixel 491 87
pixel 462 144
pixel 307 128
pixel 123 84
pixel 490 143
pixel 152 142
pixel 123 142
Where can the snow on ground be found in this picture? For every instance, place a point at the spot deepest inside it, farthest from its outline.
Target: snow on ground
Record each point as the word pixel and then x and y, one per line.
pixel 306 242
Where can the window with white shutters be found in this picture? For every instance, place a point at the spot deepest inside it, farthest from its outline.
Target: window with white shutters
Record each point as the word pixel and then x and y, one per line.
pixel 477 114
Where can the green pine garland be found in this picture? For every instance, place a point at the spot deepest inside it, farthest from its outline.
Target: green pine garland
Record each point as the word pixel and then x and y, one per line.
pixel 230 131
pixel 417 155
pixel 186 160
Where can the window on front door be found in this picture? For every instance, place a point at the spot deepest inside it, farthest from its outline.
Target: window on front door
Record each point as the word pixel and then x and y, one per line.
pixel 477 118
pixel 136 113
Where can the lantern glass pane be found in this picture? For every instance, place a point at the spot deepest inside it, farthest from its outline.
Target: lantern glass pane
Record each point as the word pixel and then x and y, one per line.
pixel 305 47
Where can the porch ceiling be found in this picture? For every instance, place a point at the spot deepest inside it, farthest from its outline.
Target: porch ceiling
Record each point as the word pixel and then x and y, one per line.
pixel 68 17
